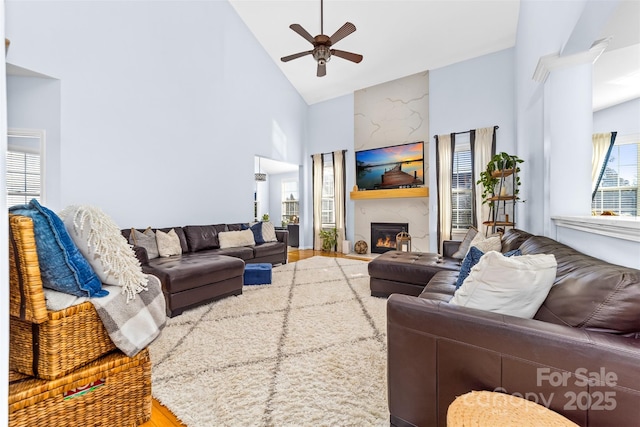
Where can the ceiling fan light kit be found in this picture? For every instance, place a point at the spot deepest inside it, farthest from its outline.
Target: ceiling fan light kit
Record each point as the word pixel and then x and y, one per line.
pixel 322 51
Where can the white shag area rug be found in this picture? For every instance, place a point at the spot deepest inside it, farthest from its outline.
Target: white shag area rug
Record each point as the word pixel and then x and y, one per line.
pixel 307 350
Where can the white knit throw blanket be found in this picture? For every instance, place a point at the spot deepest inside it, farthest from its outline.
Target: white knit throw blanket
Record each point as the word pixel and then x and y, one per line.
pixel 100 241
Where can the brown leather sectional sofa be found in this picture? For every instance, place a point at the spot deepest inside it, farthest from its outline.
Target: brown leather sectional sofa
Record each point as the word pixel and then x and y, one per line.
pixel 205 272
pixel 579 356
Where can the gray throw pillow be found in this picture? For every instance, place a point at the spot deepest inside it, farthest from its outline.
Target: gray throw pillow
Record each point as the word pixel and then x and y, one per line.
pixel 466 242
pixel 145 240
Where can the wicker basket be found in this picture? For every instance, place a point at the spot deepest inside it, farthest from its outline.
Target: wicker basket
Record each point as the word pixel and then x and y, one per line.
pixel 46 344
pixel 114 390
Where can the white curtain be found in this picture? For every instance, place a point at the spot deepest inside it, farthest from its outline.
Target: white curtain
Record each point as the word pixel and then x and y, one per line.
pixel 339 176
pixel 444 166
pixel 601 144
pixel 317 200
pixel 482 150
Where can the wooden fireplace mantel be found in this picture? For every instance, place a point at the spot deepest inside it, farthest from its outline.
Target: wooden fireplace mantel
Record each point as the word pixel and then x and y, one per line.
pixel 394 193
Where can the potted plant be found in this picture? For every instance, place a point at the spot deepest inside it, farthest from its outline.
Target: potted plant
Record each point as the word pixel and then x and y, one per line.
pixel 265 217
pixel 329 238
pixel 501 162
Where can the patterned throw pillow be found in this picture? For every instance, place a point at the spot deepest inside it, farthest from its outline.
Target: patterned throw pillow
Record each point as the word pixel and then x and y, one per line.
pixel 146 240
pixel 269 232
pixel 62 266
pixel 168 243
pixel 486 244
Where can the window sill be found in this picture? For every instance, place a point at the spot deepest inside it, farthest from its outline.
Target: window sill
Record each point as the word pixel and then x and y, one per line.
pixel 619 227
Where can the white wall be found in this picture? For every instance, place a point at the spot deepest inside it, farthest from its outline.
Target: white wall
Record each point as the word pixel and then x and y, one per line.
pixel 468 95
pixel 330 129
pixel 156 126
pixel 555 123
pixel 623 118
pixel 35 104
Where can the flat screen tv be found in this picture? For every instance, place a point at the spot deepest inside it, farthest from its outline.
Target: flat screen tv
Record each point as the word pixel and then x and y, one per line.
pixel 397 166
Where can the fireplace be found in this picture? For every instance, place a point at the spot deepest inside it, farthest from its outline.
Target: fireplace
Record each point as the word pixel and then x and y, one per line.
pixel 383 235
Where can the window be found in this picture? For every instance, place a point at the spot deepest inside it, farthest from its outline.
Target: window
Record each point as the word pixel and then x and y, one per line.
pixel 328 211
pixel 461 188
pixel 24 166
pixel 289 201
pixel 618 190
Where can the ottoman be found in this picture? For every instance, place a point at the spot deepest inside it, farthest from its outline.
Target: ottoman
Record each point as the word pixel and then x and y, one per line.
pixel 257 274
pixel 407 273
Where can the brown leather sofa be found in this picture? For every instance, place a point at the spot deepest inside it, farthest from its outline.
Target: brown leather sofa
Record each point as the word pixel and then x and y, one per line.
pixel 579 356
pixel 205 272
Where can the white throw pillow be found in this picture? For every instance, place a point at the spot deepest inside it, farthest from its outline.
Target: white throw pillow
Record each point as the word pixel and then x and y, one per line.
pixel 101 242
pixel 234 239
pixel 516 286
pixel 486 244
pixel 168 243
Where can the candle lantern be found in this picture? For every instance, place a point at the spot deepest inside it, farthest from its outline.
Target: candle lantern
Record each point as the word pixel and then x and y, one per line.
pixel 403 241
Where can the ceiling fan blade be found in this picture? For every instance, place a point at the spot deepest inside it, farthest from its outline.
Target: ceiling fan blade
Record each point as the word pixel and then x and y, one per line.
pixel 322 70
pixel 353 57
pixel 295 56
pixel 343 32
pixel 304 33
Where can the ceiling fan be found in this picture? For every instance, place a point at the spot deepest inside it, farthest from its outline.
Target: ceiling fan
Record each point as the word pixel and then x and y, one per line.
pixel 322 51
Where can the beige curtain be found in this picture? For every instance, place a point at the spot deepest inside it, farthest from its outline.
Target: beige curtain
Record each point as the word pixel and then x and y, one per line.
pixel 317 200
pixel 482 150
pixel 444 166
pixel 339 196
pixel 601 143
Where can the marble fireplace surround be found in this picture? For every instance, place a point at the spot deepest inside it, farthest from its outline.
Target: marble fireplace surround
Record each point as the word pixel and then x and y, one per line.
pixel 393 113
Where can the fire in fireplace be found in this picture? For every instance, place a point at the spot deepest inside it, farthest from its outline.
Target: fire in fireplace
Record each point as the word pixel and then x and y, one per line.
pixel 383 235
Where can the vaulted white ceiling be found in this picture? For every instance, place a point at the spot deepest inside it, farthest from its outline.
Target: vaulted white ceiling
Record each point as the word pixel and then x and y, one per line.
pixel 397 38
pixel 402 37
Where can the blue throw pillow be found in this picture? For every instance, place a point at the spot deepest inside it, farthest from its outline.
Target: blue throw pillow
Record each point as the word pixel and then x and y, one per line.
pixel 62 266
pixel 471 259
pixel 257 233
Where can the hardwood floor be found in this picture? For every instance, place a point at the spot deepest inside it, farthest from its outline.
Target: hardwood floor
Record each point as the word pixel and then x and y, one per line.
pixel 160 415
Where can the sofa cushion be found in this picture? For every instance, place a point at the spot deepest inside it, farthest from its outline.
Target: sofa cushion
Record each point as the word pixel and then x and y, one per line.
pixel 588 292
pixel 237 226
pixel 231 239
pixel 513 238
pixel 168 243
pixel 62 266
pixel 201 237
pixel 516 286
pixel 194 270
pixel 269 248
pixel 245 253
